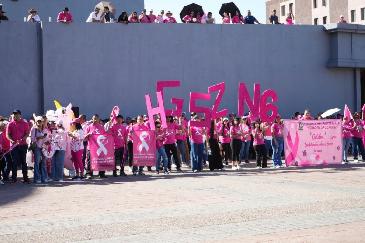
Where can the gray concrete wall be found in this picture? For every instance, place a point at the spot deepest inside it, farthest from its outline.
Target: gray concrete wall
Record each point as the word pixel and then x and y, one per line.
pixel 80 9
pixel 99 66
pixel 20 68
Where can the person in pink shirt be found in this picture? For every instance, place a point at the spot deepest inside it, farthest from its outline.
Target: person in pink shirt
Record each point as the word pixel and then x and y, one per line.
pixel 160 149
pixel 259 145
pixel 356 132
pixel 277 141
pixel 225 140
pixel 59 139
pixel 197 146
pixel 139 126
pixel 189 18
pixel 77 149
pixel 236 143
pixel 95 127
pixel 160 18
pixel 306 116
pixel 347 125
pixel 5 156
pixel 64 16
pixel 152 17
pixel 181 136
pixel 17 132
pixel 170 143
pixel 119 133
pixel 133 18
pixel 143 18
pixel 246 139
pixel 226 18
pixel 237 19
pixel 290 19
pixel 169 19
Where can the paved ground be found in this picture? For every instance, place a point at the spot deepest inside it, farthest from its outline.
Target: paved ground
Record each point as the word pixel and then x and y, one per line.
pixel 251 205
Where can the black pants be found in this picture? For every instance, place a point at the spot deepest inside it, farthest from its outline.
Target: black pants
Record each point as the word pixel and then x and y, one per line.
pixel 171 149
pixel 118 156
pixel 88 162
pixel 84 155
pixel 19 154
pixel 261 155
pixel 130 153
pixel 6 164
pixel 236 148
pixel 226 152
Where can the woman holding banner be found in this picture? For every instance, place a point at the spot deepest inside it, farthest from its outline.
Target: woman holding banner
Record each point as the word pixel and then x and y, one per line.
pixel 277 141
pixel 139 126
pixel 259 145
pixel 235 133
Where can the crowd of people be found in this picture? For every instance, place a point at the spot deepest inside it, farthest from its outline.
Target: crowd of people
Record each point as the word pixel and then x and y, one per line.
pixel 226 143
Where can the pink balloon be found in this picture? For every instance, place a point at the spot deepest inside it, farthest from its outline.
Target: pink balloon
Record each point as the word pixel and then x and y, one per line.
pixel 200 109
pixel 266 107
pixel 160 109
pixel 253 105
pixel 221 87
pixel 161 85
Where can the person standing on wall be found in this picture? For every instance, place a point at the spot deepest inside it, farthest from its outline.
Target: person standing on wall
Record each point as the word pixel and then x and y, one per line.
pixel 249 19
pixel 64 16
pixel 17 132
pixel 274 18
pixel 2 15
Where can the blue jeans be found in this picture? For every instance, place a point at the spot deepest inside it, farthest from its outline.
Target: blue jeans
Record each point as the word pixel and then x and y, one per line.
pixel 58 162
pixel 40 170
pixel 358 146
pixel 161 154
pixel 196 156
pixel 345 147
pixel 245 149
pixel 182 149
pixel 277 148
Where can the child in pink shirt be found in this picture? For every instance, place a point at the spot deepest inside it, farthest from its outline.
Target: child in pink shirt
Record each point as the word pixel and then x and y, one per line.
pixel 259 145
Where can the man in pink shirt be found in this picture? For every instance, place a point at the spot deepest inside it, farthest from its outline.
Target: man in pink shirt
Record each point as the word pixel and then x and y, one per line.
pixel 170 143
pixel 119 133
pixel 143 18
pixel 169 19
pixel 139 126
pixel 17 132
pixel 152 17
pixel 64 16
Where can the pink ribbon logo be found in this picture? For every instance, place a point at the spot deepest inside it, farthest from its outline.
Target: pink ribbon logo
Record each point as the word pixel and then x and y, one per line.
pixel 293 147
pixel 101 145
pixel 143 145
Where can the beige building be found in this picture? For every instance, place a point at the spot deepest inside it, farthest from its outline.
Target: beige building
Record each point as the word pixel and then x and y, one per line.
pixel 317 12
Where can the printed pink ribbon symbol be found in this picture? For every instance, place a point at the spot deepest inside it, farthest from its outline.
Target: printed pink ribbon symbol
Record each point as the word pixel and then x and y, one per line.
pixel 101 148
pixel 120 133
pixel 143 144
pixel 293 147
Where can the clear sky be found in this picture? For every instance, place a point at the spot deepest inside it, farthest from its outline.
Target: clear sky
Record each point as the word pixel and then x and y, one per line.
pixel 257 7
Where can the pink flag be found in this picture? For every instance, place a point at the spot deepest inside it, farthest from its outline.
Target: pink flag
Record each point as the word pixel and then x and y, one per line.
pixel 114 114
pixel 144 148
pixel 102 152
pixel 347 113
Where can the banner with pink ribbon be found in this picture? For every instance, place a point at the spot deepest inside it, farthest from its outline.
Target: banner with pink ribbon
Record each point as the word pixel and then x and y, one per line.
pixel 312 142
pixel 144 148
pixel 102 152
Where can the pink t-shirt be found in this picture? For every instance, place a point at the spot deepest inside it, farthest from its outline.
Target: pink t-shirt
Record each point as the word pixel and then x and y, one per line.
pixel 357 131
pixel 289 21
pixel 224 134
pixel 226 20
pixel 236 20
pixel 170 20
pixel 96 128
pixel 160 138
pixel 246 132
pixel 235 132
pixel 196 134
pixel 119 133
pixel 144 19
pixel 181 132
pixel 347 128
pixel 140 127
pixel 277 130
pixel 152 18
pixel 187 18
pixel 170 133
pixel 17 130
pixel 258 137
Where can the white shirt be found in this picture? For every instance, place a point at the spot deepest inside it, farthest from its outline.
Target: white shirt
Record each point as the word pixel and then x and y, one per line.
pixel 77 142
pixel 93 16
pixel 35 18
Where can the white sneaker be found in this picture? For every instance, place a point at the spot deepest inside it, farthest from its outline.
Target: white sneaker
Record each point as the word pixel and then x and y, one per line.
pixel 277 166
pixel 258 167
pixel 356 161
pixel 38 182
pixel 61 181
pixel 49 180
pixel 2 183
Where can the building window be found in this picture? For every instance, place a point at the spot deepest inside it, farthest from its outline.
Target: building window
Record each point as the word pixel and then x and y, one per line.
pixel 316 21
pixel 353 16
pixel 363 14
pixel 324 3
pixel 314 3
pixel 283 10
pixel 325 20
pixel 290 7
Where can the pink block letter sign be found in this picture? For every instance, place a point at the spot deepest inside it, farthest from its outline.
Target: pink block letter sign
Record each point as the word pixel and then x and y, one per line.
pixel 253 105
pixel 157 110
pixel 266 107
pixel 221 87
pixel 178 102
pixel 200 109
